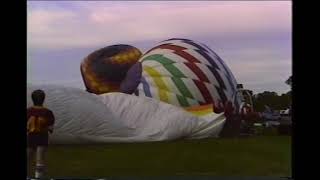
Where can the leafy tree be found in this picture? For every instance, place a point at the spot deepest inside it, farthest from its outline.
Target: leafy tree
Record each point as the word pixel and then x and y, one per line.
pixel 271 99
pixel 289 81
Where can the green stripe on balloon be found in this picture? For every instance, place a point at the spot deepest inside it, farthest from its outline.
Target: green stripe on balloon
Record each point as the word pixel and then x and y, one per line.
pixel 182 87
pixel 182 100
pixel 167 63
pixel 176 73
pixel 157 57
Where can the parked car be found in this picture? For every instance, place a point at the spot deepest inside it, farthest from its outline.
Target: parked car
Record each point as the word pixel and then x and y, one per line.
pixel 270 115
pixel 285 115
pixel 271 123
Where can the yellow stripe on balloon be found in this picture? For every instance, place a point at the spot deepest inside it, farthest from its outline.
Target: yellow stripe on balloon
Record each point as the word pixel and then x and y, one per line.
pixel 103 89
pixel 163 95
pixel 94 84
pixel 137 53
pixel 90 77
pixel 131 55
pixel 201 113
pixel 124 57
pixel 117 57
pixel 162 87
pixel 200 110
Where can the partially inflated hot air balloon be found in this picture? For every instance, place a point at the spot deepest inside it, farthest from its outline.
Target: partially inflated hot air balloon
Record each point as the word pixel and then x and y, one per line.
pixel 185 73
pixel 179 72
pixel 106 69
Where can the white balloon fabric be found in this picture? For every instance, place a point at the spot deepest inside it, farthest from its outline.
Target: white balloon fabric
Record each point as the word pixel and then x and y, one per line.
pixel 83 118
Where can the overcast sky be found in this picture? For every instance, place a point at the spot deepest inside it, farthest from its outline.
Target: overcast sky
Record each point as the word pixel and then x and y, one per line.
pixel 252 37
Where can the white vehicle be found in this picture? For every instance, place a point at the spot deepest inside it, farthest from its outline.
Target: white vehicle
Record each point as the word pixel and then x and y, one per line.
pixel 272 123
pixel 284 112
pixel 285 115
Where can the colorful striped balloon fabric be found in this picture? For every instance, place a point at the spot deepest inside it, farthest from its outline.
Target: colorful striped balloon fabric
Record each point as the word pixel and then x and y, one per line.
pixel 185 73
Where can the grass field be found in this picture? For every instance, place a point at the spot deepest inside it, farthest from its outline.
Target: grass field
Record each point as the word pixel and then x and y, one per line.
pixel 253 156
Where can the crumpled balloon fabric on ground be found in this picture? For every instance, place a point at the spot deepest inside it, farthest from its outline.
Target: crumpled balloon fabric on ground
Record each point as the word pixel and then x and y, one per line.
pixel 83 117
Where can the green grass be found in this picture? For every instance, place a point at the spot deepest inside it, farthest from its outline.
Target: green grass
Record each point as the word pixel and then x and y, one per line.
pixel 253 156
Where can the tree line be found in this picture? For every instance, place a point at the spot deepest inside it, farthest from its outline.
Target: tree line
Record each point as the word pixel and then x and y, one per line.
pixel 271 99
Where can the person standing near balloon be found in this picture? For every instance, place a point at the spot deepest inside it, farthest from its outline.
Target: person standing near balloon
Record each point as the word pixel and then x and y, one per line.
pixel 40 121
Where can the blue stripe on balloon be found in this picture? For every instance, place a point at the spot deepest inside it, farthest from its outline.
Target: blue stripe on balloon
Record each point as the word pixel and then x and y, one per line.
pixel 146 87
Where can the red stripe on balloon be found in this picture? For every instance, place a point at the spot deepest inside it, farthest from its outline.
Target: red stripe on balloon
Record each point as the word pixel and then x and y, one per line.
pixel 187 56
pixel 162 46
pixel 196 70
pixel 179 51
pixel 204 91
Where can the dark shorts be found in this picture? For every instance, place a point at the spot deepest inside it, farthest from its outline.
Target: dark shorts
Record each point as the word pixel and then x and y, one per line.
pixel 34 140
